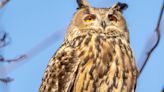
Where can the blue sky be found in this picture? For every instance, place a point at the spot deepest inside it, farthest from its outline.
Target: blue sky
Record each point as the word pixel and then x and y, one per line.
pixel 29 22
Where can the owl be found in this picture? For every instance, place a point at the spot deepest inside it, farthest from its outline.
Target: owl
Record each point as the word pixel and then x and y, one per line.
pixel 95 56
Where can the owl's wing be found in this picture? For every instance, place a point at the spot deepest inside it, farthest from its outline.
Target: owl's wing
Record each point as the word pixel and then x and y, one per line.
pixel 61 71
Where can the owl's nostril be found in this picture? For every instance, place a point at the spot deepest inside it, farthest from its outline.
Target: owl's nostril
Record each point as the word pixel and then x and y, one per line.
pixel 103 24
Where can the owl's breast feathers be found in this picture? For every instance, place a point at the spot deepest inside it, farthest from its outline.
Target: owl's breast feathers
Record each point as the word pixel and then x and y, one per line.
pixel 92 63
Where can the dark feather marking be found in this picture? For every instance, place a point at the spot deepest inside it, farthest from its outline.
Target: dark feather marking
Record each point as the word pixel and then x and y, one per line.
pixel 113 42
pixel 111 86
pixel 107 82
pixel 61 81
pixel 131 68
pixel 92 69
pixel 83 88
pixel 81 53
pixel 116 75
pixel 130 58
pixel 85 60
pixel 116 78
pixel 124 79
pixel 94 86
pixel 128 48
pixel 113 52
pixel 106 63
pixel 75 75
pixel 87 11
pixel 87 85
pixel 110 60
pixel 78 40
pixel 101 83
pixel 123 61
pixel 65 69
pixel 98 47
pixel 106 71
pixel 93 78
pixel 98 41
pixel 87 40
pixel 91 75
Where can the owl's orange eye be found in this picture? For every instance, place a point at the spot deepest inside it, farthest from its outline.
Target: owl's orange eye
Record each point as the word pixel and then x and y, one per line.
pixel 112 18
pixel 90 18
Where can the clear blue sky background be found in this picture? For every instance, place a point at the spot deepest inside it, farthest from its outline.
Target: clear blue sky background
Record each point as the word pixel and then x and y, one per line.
pixel 30 21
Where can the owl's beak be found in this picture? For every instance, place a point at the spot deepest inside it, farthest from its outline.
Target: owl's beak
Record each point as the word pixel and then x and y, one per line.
pixel 103 24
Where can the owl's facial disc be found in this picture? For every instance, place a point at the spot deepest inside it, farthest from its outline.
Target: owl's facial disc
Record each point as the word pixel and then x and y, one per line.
pixel 101 18
pixel 98 19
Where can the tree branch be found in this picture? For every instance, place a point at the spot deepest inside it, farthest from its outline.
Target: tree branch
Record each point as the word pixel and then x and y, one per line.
pixel 3 3
pixel 157 30
pixel 13 63
pixel 20 58
pixel 6 80
pixel 4 43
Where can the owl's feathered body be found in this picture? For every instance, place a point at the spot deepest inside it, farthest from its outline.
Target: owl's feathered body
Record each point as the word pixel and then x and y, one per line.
pixel 92 58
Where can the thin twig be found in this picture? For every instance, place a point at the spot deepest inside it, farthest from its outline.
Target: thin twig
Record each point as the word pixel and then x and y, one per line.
pixel 20 58
pixel 4 39
pixel 157 30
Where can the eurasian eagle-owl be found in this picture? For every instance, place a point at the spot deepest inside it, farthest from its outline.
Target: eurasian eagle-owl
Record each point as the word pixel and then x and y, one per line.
pixel 95 55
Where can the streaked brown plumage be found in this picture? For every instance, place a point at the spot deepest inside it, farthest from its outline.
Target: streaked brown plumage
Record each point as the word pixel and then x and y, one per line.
pixel 95 56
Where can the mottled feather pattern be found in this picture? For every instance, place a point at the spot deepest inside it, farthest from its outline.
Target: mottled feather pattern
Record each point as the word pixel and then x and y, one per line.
pixel 104 64
pixel 102 69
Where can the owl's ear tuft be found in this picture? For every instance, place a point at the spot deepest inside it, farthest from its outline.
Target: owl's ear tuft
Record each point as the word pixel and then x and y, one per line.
pixel 120 6
pixel 82 4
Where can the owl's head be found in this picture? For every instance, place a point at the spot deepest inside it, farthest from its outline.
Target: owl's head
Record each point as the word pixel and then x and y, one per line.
pixel 104 20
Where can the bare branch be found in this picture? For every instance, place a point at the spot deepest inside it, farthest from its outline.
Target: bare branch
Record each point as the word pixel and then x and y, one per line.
pixel 20 58
pixel 3 3
pixel 31 53
pixel 157 30
pixel 3 43
pixel 6 80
